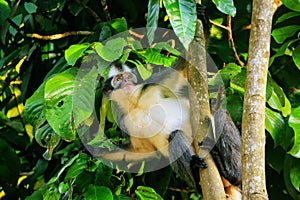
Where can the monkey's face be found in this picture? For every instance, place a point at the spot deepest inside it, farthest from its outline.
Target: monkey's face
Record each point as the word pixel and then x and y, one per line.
pixel 123 80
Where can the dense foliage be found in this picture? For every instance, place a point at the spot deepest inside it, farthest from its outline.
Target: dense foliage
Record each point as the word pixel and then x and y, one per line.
pixel 53 50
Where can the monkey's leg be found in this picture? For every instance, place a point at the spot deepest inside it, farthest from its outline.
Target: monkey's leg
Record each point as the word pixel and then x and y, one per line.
pixel 226 151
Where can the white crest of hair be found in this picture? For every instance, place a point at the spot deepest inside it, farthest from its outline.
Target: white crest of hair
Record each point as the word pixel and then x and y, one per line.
pixel 114 70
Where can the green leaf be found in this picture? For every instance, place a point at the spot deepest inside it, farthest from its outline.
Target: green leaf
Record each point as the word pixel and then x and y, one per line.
pixel 296 56
pixel 226 6
pixel 234 105
pixel 292 4
pixel 146 193
pixel 77 167
pixel 145 73
pixel 74 52
pixel 103 174
pixel 282 33
pixel 68 164
pixel 288 171
pixel 119 25
pixel 230 71
pixel 112 50
pixel 282 50
pixel 294 122
pixel 95 192
pixel 182 15
pixel 287 16
pixel 153 56
pixel 5 10
pixel 275 125
pixel 295 176
pixel 34 108
pixel 152 19
pixel 84 94
pixel 30 7
pixel 58 103
pixel 46 137
pixel 105 33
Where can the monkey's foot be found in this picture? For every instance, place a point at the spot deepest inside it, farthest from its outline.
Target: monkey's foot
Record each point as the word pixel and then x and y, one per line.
pixel 198 162
pixel 202 15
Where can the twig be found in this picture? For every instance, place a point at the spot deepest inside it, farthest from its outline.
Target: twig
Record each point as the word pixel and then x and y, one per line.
pixel 59 35
pixel 91 11
pixel 230 38
pixel 105 10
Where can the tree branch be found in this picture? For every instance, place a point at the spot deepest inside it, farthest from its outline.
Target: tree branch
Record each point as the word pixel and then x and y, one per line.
pixel 253 123
pixel 230 38
pixel 211 183
pixel 59 35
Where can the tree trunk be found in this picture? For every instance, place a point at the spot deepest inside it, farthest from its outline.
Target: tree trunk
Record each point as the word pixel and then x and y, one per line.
pixel 253 124
pixel 211 183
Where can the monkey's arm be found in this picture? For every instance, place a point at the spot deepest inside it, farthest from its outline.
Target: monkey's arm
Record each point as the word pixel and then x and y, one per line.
pixel 183 162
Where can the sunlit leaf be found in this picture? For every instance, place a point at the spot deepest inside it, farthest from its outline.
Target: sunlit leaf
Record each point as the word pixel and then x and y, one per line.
pixel 84 94
pixel 182 15
pixel 58 103
pixel 143 193
pixel 152 19
pixel 292 4
pixel 112 50
pixel 74 52
pixel 226 6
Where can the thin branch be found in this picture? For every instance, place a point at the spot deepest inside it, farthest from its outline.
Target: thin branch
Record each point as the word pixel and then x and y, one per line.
pixel 91 11
pixel 230 38
pixel 105 10
pixel 228 28
pixel 59 35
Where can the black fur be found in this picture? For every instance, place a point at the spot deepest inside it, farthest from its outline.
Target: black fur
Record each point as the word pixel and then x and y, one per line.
pixel 227 150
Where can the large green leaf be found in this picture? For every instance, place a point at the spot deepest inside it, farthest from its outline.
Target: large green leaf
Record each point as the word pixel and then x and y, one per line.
pixel 74 52
pixel 112 50
pixel 84 94
pixel 5 10
pixel 34 108
pixel 182 15
pixel 226 6
pixel 294 122
pixel 292 4
pixel 152 19
pixel 282 33
pixel 98 193
pixel 58 103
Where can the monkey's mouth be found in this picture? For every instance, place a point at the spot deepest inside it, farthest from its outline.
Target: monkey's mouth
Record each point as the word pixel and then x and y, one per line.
pixel 127 84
